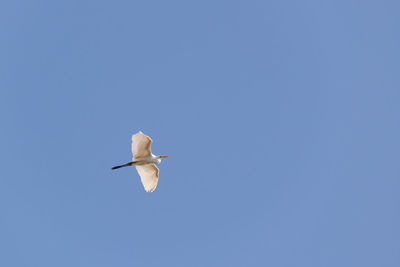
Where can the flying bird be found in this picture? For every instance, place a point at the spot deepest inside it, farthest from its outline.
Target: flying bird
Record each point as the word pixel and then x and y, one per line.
pixel 144 161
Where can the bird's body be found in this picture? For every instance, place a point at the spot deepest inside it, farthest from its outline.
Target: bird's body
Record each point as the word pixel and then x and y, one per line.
pixel 144 161
pixel 147 160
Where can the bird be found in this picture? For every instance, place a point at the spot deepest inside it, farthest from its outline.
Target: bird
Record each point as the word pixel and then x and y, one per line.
pixel 144 161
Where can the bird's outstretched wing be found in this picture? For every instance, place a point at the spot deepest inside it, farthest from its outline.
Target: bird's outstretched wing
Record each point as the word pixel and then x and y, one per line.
pixel 149 176
pixel 141 145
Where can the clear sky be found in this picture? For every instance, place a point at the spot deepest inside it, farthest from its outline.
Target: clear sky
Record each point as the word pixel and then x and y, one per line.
pixel 281 119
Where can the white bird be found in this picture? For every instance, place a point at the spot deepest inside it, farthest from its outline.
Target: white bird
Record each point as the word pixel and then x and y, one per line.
pixel 144 161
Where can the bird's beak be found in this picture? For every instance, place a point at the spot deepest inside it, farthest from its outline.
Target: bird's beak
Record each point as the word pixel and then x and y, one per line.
pixel 161 157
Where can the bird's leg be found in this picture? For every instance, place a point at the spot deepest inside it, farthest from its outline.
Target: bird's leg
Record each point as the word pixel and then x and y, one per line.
pixel 124 165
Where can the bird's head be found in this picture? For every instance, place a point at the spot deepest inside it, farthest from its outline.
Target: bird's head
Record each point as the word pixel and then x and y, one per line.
pixel 160 157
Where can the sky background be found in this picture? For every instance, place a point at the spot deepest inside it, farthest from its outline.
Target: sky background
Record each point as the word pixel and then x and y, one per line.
pixel 281 119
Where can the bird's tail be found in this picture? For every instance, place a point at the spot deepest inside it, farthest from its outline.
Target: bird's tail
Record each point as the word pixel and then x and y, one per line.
pixel 124 165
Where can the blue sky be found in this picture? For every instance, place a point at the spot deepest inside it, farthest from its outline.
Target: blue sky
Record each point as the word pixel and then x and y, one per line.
pixel 281 119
